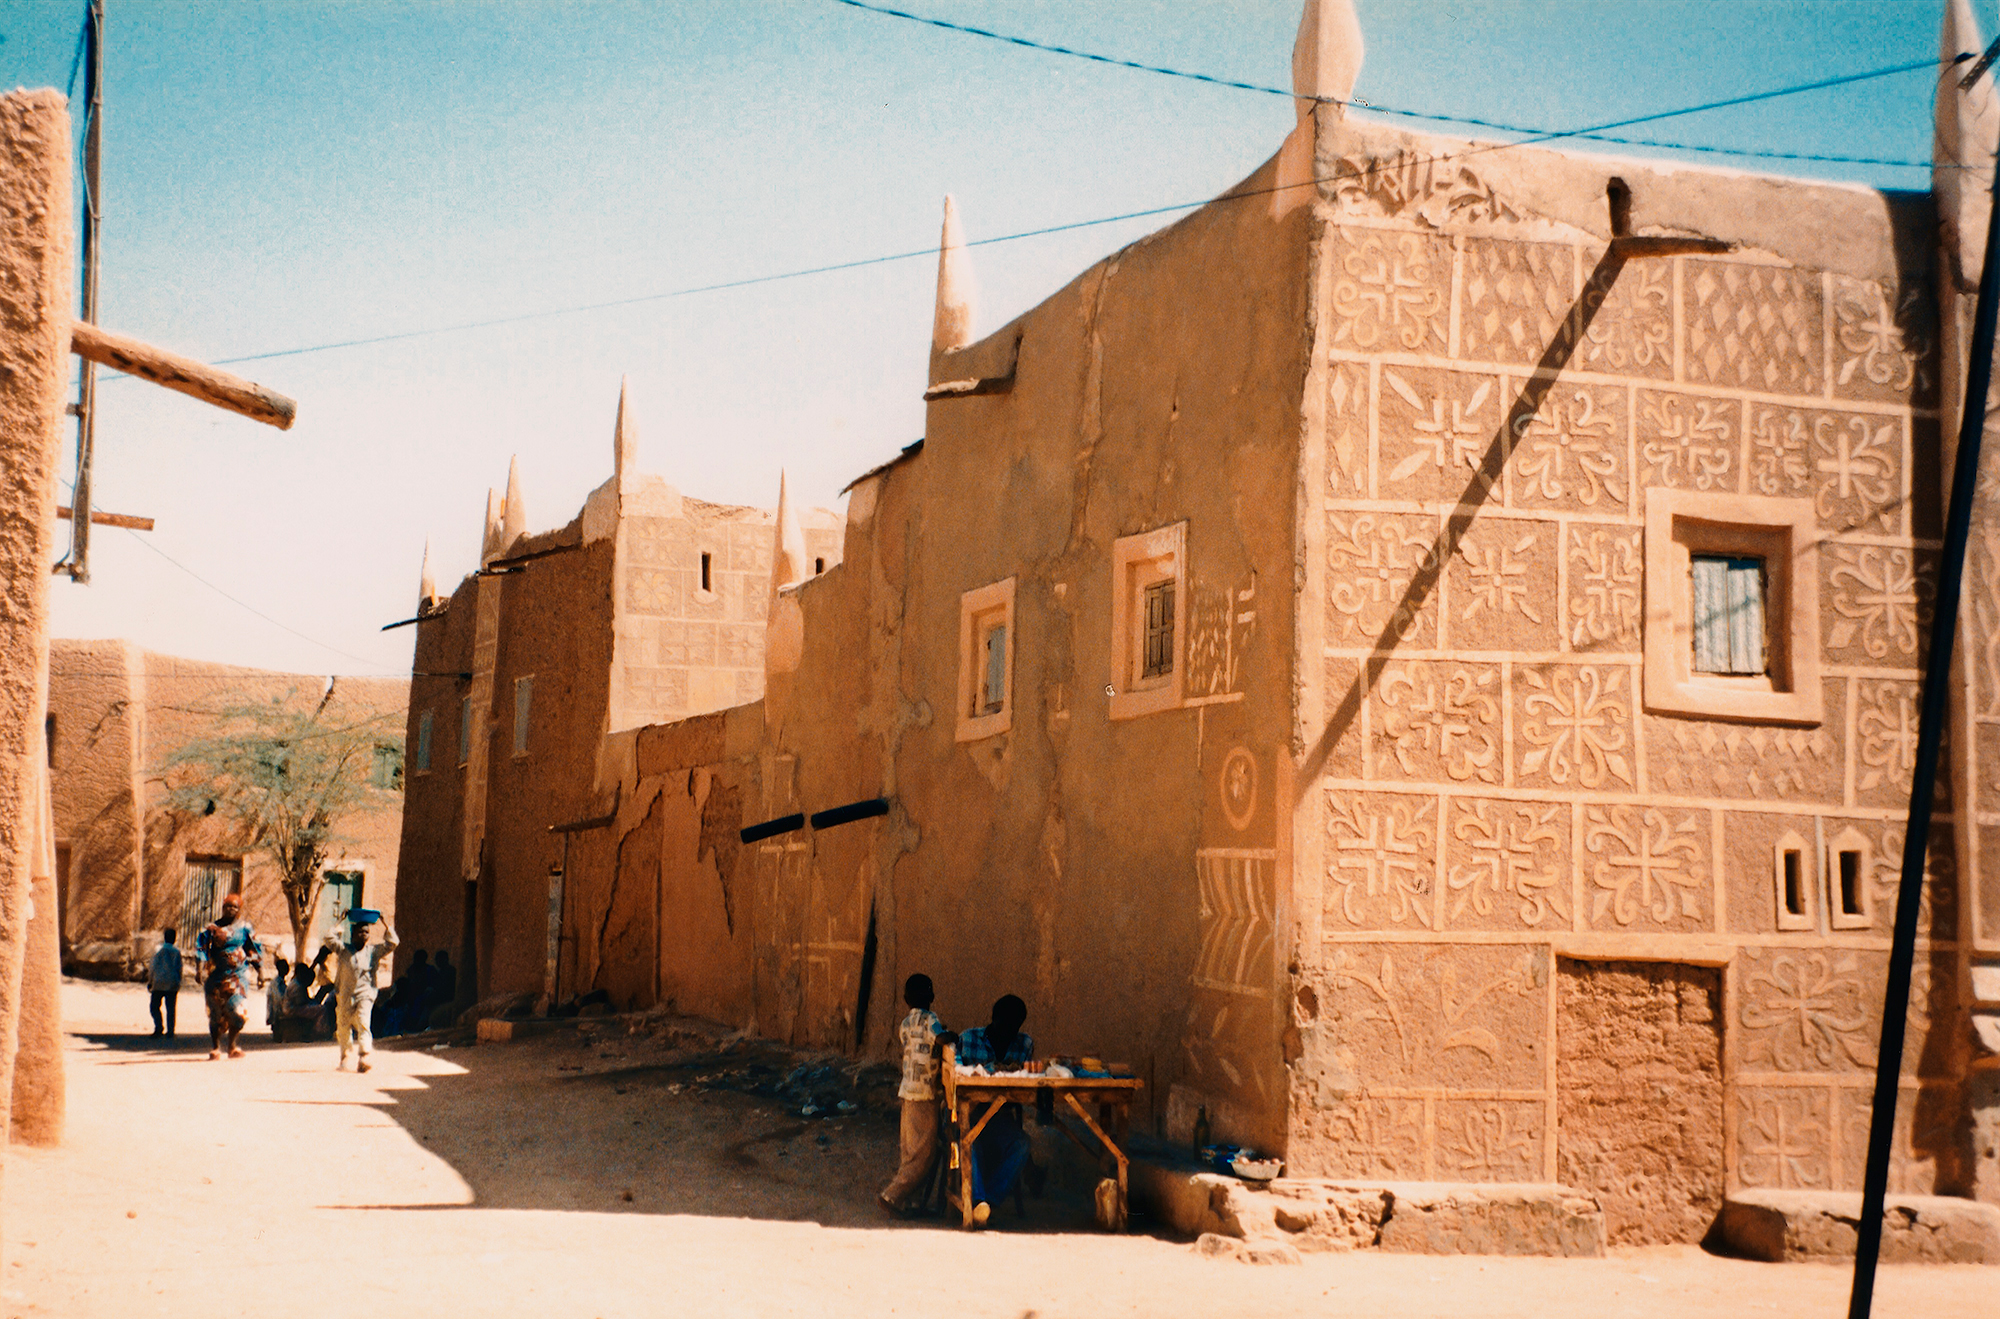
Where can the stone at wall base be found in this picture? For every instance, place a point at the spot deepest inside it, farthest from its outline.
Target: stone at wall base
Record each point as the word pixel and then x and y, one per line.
pixel 1213 1245
pixel 1319 1214
pixel 502 1030
pixel 1777 1226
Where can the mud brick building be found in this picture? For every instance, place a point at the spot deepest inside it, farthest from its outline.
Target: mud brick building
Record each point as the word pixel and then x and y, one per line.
pixel 1420 657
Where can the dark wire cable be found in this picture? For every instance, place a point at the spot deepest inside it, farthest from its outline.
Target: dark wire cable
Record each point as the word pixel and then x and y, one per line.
pixel 1430 116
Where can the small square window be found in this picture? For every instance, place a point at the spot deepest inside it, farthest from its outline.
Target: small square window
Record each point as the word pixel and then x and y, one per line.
pixel 424 722
pixel 1727 634
pixel 985 661
pixel 1148 572
pixel 1728 622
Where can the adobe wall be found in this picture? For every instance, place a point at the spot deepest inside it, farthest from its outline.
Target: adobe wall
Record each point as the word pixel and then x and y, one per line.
pixel 1492 780
pixel 97 698
pixel 1125 877
pixel 35 289
pixel 430 888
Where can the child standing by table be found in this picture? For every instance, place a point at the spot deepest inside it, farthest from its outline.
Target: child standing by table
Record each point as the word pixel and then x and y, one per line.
pixel 919 1034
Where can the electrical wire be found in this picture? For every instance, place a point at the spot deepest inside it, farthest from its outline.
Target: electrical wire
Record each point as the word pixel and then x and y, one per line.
pixel 1426 115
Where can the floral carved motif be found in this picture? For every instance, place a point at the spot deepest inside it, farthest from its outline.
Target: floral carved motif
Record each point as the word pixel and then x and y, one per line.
pixel 1490 1142
pixel 1855 458
pixel 1383 863
pixel 1779 461
pixel 1378 1137
pixel 1645 863
pixel 1606 571
pixel 1784 1136
pixel 1392 292
pixel 1374 559
pixel 1689 442
pixel 1632 330
pixel 1447 720
pixel 1508 855
pixel 1571 451
pixel 1805 1011
pixel 1879 346
pixel 1446 1015
pixel 1875 599
pixel 1577 725
pixel 1499 582
pixel 1886 729
pixel 1449 429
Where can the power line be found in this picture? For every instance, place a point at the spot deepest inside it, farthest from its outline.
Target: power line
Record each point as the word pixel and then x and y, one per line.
pixel 1427 115
pixel 1546 135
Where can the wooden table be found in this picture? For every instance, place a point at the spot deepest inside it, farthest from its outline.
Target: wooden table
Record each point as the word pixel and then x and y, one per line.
pixel 1112 1097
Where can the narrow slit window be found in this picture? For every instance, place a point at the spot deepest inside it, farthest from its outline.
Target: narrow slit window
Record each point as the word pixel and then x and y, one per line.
pixel 465 730
pixel 1794 882
pixel 705 560
pixel 1728 621
pixel 524 696
pixel 819 566
pixel 424 741
pixel 1158 659
pixel 993 687
pixel 1850 883
pixel 49 738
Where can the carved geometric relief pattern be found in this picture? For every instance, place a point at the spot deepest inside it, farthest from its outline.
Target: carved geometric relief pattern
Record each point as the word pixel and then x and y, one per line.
pixel 1391 292
pixel 1632 331
pixel 1689 442
pixel 1507 866
pixel 1574 727
pixel 1238 916
pixel 1982 590
pixel 1438 723
pixel 1647 868
pixel 1754 761
pixel 1503 577
pixel 1605 575
pixel 1752 327
pixel 1481 1140
pixel 1937 905
pixel 1784 1136
pixel 1806 1010
pixel 655 591
pixel 1381 859
pixel 1571 453
pixel 1514 298
pixel 1885 736
pixel 1463 1016
pixel 1780 451
pixel 1858 472
pixel 1882 345
pixel 1927 1121
pixel 1875 606
pixel 1374 557
pixel 1436 428
pixel 1347 428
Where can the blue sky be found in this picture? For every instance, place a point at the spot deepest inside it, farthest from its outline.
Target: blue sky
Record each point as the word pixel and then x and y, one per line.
pixel 281 175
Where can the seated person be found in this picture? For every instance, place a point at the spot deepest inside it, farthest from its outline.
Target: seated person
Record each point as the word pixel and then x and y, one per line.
pixel 1002 1148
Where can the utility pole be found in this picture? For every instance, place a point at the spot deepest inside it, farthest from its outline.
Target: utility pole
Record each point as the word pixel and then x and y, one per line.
pixel 78 563
pixel 1923 779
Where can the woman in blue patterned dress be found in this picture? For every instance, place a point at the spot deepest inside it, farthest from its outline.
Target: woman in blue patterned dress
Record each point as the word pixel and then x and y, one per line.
pixel 230 948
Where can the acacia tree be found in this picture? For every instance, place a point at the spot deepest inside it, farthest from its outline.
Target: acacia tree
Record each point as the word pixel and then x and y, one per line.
pixel 286 772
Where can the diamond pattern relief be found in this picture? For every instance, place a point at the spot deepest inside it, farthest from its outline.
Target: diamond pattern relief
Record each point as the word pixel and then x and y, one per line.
pixel 1753 327
pixel 1515 298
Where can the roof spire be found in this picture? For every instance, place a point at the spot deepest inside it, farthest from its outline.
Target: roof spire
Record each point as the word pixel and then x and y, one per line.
pixel 426 583
pixel 952 326
pixel 1968 124
pixel 514 510
pixel 625 435
pixel 489 542
pixel 788 549
pixel 1326 58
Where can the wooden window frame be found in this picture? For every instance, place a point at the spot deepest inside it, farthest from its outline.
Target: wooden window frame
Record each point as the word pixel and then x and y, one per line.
pixel 1139 562
pixel 1683 523
pixel 979 612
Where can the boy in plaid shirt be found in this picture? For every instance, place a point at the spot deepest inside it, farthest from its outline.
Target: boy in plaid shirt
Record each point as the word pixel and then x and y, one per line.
pixel 920 1034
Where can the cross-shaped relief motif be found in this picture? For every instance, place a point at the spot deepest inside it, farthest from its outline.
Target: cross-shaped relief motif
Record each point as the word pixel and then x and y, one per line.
pixel 1887 729
pixel 1499 581
pixel 1783 1137
pixel 1374 559
pixel 1859 458
pixel 1504 860
pixel 1875 596
pixel 1871 338
pixel 1696 452
pixel 1389 293
pixel 1604 587
pixel 1384 851
pixel 1576 725
pixel 1778 461
pixel 1569 450
pixel 1644 863
pixel 1452 720
pixel 1805 1012
pixel 1447 431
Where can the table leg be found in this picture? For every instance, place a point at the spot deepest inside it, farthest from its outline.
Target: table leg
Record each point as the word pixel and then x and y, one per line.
pixel 965 1166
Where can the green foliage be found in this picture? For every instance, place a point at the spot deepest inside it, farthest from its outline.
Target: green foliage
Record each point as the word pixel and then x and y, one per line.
pixel 287 772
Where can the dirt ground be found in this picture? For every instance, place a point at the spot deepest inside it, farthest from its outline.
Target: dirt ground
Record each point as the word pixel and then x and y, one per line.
pixel 573 1177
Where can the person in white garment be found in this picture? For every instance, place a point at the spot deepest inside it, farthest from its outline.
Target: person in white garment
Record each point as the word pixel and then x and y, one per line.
pixel 353 979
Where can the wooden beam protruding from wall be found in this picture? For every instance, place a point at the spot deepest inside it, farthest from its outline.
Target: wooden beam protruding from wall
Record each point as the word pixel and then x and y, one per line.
pixel 184 374
pixel 108 519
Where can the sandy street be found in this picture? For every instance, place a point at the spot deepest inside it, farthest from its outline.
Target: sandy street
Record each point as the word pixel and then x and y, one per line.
pixel 493 1180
